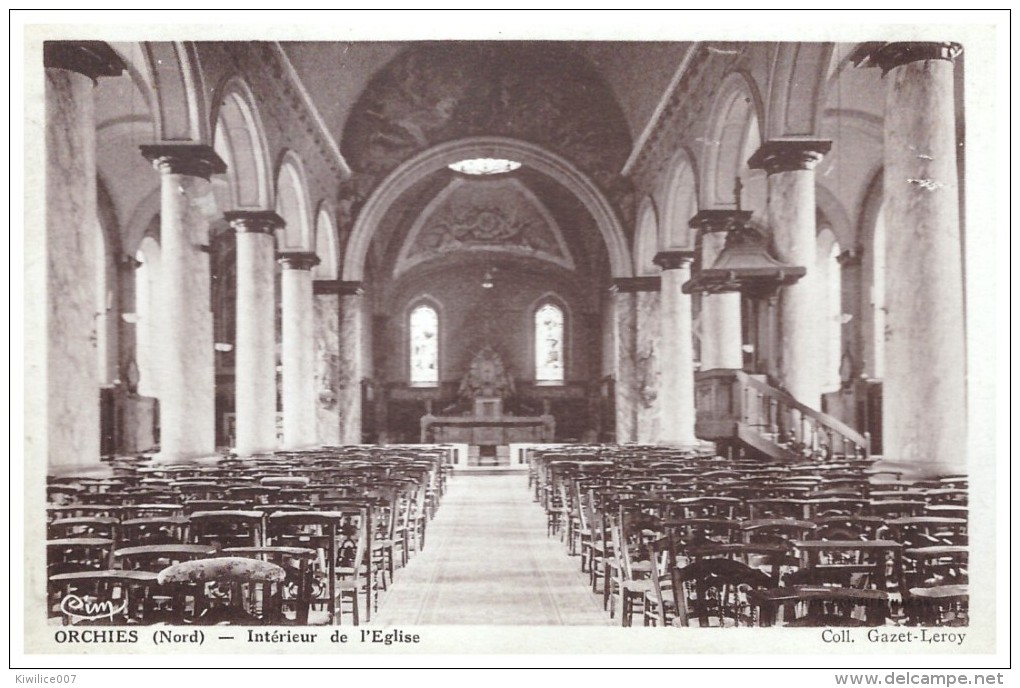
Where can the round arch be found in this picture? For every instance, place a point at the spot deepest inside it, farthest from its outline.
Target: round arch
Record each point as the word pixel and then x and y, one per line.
pixel 734 125
pixel 682 202
pixel 239 138
pixel 325 244
pixel 798 89
pixel 293 204
pixel 180 111
pixel 646 239
pixel 438 157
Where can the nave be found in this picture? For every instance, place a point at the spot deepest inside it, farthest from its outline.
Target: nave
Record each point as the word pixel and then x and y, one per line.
pixel 490 562
pixel 593 535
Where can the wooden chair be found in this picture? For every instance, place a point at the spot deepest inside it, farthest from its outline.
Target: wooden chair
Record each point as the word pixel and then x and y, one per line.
pixel 821 605
pixel 106 597
pixel 160 530
pixel 320 532
pixel 227 528
pixel 296 595
pixel 935 587
pixel 225 590
pixel 84 526
pixel 631 574
pixel 74 554
pixel 714 592
pixel 853 564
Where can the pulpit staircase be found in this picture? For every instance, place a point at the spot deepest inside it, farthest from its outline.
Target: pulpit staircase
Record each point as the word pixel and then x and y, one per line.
pixel 742 411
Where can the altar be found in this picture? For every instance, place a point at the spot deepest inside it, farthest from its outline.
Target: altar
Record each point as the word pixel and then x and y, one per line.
pixel 487 432
pixel 480 421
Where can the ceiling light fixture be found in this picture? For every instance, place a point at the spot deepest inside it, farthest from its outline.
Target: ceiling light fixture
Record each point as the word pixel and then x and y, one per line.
pixel 485 166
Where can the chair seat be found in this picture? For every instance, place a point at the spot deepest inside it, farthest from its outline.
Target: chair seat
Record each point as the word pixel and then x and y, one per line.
pixel 223 568
pixel 956 591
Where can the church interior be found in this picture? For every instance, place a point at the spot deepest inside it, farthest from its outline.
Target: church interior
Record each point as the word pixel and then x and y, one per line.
pixel 503 333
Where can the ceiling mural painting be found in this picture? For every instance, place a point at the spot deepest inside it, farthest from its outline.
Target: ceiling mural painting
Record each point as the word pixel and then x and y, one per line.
pixel 548 95
pixel 498 215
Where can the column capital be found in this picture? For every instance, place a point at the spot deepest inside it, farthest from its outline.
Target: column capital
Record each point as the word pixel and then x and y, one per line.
pixel 889 56
pixel 298 260
pixel 629 285
pixel 850 257
pixel 127 262
pixel 90 58
pixel 788 155
pixel 671 260
pixel 195 160
pixel 254 221
pixel 720 220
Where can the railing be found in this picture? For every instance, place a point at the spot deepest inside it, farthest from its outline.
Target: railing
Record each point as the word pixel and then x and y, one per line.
pixel 793 424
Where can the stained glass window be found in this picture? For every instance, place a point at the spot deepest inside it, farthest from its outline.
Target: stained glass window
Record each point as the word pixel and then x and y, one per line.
pixel 549 344
pixel 424 346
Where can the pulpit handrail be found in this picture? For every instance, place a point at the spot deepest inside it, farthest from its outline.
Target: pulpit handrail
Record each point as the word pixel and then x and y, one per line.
pixel 786 399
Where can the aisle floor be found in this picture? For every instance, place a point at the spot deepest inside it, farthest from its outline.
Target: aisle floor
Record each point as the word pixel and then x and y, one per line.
pixel 487 561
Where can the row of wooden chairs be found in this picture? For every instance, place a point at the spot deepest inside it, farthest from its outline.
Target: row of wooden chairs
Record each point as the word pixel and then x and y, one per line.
pixel 331 555
pixel 647 524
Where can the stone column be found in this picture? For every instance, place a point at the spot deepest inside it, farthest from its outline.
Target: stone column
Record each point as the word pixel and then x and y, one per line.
pixel 623 359
pixel 327 359
pixel 924 391
pixel 790 164
pixel 351 369
pixel 636 309
pixel 299 415
pixel 676 351
pixel 721 336
pixel 69 435
pixel 136 413
pixel 255 344
pixel 184 349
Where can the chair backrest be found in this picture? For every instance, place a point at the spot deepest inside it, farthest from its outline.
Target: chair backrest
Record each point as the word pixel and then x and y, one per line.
pixel 227 528
pixel 157 557
pixel 106 597
pixel 714 592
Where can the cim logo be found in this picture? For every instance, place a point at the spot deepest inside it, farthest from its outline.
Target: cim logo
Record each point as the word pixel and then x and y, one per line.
pixel 90 608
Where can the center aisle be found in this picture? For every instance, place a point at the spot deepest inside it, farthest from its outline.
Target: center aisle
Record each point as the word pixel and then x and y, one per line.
pixel 487 561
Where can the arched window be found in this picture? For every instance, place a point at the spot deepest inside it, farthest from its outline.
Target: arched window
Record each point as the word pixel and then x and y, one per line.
pixel 549 344
pixel 424 333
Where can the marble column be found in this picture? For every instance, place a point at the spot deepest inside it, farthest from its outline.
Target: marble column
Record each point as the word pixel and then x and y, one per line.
pixel 255 343
pixel 351 364
pixel 184 348
pixel 924 390
pixel 623 368
pixel 636 367
pixel 676 351
pixel 69 435
pixel 327 359
pixel 137 413
pixel 790 164
pixel 647 340
pixel 299 395
pixel 721 335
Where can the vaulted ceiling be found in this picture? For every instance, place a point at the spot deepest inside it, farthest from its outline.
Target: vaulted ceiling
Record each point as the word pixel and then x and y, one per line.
pixel 584 102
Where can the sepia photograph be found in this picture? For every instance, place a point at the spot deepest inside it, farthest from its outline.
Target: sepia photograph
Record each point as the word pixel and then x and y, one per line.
pixel 397 336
